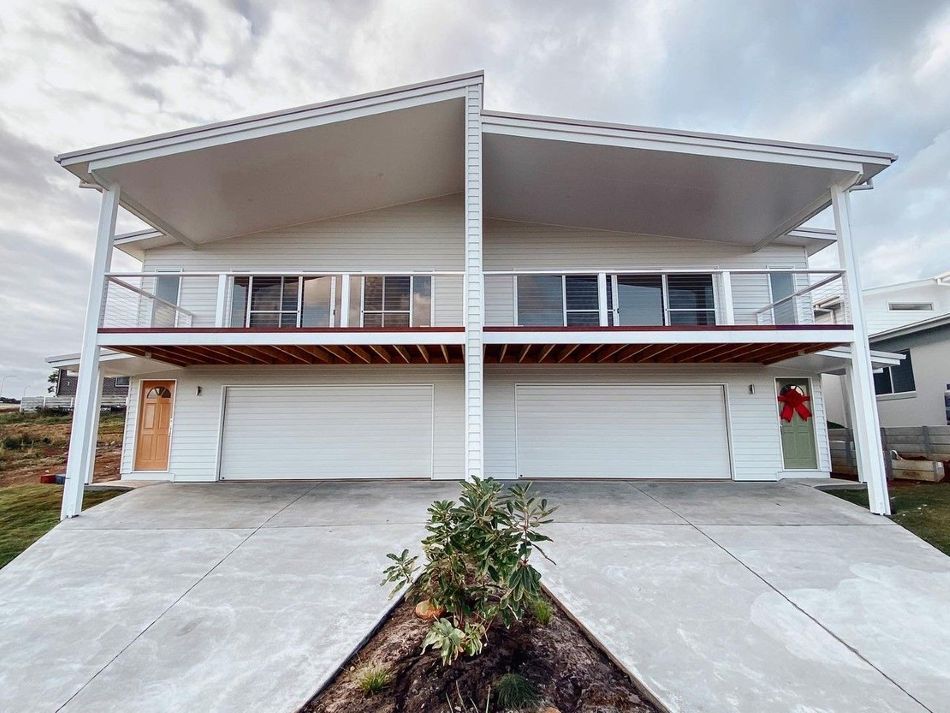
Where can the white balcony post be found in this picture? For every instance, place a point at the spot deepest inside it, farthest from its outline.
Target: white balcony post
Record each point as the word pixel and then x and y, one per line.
pixel 602 297
pixel 863 406
pixel 474 285
pixel 221 306
pixel 94 434
pixel 725 296
pixel 343 319
pixel 82 452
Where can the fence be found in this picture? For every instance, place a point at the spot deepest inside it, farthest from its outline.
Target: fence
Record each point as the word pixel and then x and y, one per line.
pixel 929 442
pixel 64 403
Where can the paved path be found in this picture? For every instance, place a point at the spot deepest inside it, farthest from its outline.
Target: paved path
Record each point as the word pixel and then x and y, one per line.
pixel 247 597
pixel 219 597
pixel 754 597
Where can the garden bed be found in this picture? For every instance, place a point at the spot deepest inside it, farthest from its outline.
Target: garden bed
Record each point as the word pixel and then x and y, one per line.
pixel 566 670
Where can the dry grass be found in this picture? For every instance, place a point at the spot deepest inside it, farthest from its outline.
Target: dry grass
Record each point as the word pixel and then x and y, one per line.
pixel 36 444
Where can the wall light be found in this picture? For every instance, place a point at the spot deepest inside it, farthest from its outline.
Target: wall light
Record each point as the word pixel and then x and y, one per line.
pixel 751 389
pixel 197 391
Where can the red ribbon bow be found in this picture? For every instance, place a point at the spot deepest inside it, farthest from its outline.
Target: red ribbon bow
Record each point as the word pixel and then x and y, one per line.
pixel 793 401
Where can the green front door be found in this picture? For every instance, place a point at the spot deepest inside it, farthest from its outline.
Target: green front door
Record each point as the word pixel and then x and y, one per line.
pixel 798 435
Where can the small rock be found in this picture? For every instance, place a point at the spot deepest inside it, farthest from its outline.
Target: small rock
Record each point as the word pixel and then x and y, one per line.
pixel 427 612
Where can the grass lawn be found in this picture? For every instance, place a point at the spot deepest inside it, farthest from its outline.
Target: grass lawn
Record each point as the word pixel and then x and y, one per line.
pixel 27 512
pixel 923 508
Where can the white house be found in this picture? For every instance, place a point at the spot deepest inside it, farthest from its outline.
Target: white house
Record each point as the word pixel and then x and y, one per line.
pixel 405 285
pixel 911 319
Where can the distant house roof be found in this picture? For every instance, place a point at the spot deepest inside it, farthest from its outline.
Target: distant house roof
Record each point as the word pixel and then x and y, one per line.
pixel 914 328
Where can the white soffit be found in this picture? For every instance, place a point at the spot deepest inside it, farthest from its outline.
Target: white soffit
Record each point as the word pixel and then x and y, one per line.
pixel 292 167
pixel 658 182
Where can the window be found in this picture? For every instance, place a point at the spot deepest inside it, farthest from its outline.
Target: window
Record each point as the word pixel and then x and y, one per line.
pixel 396 301
pixel 121 381
pixel 581 302
pixel 896 379
pixel 540 300
pixel 639 300
pixel 281 301
pixel 558 300
pixel 164 307
pixel 690 300
pixel 265 301
pixel 782 285
pixel 910 306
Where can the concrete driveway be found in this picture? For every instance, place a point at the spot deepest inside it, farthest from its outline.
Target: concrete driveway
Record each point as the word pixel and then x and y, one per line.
pixel 754 597
pixel 247 597
pixel 218 597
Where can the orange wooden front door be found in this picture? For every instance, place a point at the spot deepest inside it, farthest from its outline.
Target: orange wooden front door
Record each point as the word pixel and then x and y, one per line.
pixel 154 425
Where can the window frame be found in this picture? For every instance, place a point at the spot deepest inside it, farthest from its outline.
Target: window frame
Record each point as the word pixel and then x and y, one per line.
pixel 889 372
pixel 910 306
pixel 411 313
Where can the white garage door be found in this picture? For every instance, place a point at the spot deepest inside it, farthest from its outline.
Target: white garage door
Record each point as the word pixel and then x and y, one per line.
pixel 327 432
pixel 622 431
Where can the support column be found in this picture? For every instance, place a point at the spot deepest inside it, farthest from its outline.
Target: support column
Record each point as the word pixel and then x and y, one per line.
pixel 725 295
pixel 82 451
pixel 94 433
pixel 474 286
pixel 863 405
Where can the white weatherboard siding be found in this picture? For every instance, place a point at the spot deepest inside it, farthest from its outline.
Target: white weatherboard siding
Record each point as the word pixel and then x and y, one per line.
pixel 753 418
pixel 329 432
pixel 196 427
pixel 422 236
pixel 621 431
pixel 530 246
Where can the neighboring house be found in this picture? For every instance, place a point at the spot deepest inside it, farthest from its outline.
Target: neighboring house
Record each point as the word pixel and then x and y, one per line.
pixel 911 319
pixel 112 386
pixel 405 285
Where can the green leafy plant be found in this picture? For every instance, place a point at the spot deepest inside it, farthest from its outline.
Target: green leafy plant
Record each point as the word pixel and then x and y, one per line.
pixel 477 567
pixel 372 678
pixel 515 691
pixel 542 611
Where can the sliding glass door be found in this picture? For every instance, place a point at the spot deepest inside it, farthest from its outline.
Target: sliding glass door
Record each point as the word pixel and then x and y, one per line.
pixel 557 300
pixel 683 299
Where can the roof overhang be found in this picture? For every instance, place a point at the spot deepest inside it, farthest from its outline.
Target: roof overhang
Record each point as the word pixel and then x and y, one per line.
pixel 291 167
pixel 913 328
pixel 835 359
pixel 653 181
pixel 112 364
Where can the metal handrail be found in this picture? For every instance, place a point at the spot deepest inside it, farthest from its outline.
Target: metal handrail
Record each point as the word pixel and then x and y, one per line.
pixel 666 271
pixel 799 293
pixel 146 293
pixel 284 273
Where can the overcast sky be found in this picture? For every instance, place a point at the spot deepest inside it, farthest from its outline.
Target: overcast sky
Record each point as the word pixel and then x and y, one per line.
pixel 861 74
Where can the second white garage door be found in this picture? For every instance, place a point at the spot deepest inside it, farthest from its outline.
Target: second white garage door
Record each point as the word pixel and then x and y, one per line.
pixel 327 432
pixel 622 431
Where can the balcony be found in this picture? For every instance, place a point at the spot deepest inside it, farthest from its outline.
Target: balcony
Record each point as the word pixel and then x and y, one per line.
pixel 650 316
pixel 195 318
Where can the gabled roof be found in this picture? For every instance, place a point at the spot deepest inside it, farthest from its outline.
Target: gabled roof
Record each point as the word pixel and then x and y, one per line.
pixel 942 280
pixel 913 328
pixel 405 144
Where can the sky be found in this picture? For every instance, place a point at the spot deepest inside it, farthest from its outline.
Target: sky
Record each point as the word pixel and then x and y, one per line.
pixel 871 74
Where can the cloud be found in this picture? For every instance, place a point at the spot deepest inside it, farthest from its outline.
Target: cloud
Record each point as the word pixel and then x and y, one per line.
pixel 86 72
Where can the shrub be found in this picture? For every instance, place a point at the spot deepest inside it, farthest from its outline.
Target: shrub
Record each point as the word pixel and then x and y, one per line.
pixel 372 678
pixel 542 611
pixel 514 691
pixel 477 568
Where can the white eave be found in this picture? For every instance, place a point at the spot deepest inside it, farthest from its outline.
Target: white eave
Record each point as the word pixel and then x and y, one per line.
pixel 401 145
pixel 662 182
pixel 290 167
